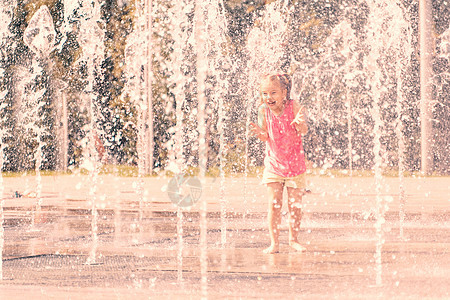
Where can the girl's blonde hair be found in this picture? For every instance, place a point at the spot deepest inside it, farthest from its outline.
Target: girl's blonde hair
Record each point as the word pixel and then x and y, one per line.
pixel 283 79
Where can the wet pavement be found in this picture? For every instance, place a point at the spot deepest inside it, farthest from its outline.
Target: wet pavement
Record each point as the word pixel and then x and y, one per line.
pixel 52 253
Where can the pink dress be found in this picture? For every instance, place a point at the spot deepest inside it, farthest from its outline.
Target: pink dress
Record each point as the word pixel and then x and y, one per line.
pixel 284 150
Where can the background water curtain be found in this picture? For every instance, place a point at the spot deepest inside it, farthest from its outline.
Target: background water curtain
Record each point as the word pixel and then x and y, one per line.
pixel 90 82
pixel 163 92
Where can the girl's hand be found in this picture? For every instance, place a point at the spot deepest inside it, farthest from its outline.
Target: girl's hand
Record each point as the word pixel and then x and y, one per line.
pixel 299 118
pixel 258 132
pixel 299 122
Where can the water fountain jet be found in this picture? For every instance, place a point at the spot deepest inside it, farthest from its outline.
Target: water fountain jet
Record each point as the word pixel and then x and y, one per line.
pixel 39 36
pixel 91 38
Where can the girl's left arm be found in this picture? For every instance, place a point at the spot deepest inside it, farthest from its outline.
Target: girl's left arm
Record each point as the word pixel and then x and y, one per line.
pixel 299 121
pixel 260 129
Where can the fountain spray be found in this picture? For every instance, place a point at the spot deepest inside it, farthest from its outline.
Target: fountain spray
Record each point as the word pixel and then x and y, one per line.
pixel 378 63
pixel 218 67
pixel 91 39
pixel 202 65
pixel 2 188
pixel 179 29
pixel 39 36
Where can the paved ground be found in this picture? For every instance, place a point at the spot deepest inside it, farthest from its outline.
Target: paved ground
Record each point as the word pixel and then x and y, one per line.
pixel 137 253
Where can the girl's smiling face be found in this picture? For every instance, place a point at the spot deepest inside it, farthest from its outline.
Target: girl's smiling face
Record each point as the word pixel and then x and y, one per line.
pixel 273 95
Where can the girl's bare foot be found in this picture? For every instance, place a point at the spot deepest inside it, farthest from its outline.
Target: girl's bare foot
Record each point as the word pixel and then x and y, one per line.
pixel 297 247
pixel 272 249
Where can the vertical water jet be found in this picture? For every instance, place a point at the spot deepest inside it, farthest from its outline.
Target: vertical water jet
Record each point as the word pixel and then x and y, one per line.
pixel 91 39
pixel 201 76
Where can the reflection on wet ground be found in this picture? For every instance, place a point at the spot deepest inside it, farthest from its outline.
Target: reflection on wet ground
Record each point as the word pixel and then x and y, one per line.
pixel 138 249
pixel 138 254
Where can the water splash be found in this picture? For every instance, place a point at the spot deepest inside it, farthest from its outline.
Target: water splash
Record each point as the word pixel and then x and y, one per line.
pixel 180 30
pixel 5 13
pixel 180 33
pixel 386 53
pixel 138 91
pixel 357 82
pixel 219 68
pixel 441 122
pixel 202 69
pixel 91 38
pixel 267 42
pixel 2 188
pixel 404 50
pixel 206 35
pixel 40 33
pixel 31 108
pixel 39 36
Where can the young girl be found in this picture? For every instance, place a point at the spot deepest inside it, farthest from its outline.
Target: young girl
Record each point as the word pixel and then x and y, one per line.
pixel 281 123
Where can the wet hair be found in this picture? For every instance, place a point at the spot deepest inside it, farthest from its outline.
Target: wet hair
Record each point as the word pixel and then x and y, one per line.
pixel 283 79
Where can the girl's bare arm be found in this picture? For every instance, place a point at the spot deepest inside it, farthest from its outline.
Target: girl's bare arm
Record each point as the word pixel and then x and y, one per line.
pixel 259 130
pixel 299 121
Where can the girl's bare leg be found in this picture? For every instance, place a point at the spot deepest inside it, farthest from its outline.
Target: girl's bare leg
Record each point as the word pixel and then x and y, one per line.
pixel 295 217
pixel 274 216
